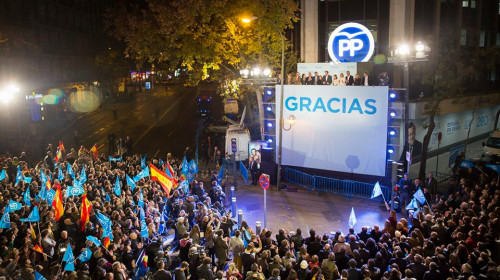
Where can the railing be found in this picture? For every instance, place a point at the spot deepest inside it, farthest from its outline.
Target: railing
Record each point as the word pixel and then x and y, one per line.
pixel 330 185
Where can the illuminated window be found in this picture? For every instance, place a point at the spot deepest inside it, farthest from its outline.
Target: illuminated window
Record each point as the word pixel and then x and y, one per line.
pixel 463 36
pixel 465 3
pixel 482 38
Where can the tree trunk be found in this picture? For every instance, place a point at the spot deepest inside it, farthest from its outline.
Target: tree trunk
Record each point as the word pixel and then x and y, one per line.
pixel 470 124
pixel 427 138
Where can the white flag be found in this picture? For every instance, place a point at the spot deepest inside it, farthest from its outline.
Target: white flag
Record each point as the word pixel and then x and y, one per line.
pixel 352 218
pixel 376 190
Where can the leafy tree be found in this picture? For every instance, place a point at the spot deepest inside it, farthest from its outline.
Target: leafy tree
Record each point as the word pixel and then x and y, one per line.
pixel 205 36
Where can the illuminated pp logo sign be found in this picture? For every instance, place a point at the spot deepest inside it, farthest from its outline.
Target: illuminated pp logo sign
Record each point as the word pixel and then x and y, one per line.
pixel 351 42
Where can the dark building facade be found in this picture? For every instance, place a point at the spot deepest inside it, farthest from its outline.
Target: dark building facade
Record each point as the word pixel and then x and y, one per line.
pixel 45 43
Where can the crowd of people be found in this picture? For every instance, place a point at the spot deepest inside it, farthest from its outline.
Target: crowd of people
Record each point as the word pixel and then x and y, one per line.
pixel 190 233
pixel 336 80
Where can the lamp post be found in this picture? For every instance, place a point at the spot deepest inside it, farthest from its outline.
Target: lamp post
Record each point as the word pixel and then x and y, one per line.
pixel 404 55
pixel 248 20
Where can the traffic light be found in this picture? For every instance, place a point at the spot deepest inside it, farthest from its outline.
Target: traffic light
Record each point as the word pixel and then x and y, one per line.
pixel 234 148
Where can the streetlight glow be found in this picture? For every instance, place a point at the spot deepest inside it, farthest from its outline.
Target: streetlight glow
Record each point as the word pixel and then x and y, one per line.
pixel 8 93
pixel 419 47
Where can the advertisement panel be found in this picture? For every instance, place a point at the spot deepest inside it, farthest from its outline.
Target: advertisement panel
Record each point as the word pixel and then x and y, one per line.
pixel 337 128
pixel 455 127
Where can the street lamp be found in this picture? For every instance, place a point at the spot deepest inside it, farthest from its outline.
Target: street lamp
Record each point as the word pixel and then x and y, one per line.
pixel 282 80
pixel 404 55
pixel 8 92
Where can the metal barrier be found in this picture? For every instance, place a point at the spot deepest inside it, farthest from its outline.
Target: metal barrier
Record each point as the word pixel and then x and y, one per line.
pixel 324 184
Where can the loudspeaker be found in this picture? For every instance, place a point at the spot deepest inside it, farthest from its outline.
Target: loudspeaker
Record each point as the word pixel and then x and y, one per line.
pixel 269 168
pixel 267 154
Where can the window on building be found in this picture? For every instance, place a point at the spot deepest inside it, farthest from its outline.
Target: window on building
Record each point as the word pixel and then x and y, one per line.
pixel 498 39
pixel 465 3
pixel 463 37
pixel 482 38
pixel 473 4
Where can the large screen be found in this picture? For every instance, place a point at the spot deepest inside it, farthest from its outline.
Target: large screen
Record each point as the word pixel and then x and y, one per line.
pixel 338 128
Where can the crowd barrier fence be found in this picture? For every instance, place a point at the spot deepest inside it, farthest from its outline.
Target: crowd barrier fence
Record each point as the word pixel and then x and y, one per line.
pixel 348 188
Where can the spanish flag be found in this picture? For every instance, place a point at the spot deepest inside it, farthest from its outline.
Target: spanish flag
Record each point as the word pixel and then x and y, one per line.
pixel 38 248
pixel 57 203
pixel 94 152
pixel 48 184
pixel 106 242
pixel 61 147
pixel 86 207
pixel 33 234
pixel 167 183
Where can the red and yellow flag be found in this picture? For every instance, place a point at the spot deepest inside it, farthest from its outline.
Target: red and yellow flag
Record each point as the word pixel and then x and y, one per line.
pixel 106 241
pixel 48 184
pixel 57 203
pixel 167 183
pixel 94 152
pixel 61 147
pixel 33 234
pixel 86 207
pixel 38 248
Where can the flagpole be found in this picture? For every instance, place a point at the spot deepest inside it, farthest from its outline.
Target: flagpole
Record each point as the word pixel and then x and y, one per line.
pixel 385 202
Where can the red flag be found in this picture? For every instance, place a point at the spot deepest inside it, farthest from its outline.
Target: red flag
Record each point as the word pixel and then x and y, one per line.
pixel 106 242
pixel 86 207
pixel 57 203
pixel 165 181
pixel 93 150
pixel 61 147
pixel 38 248
pixel 48 184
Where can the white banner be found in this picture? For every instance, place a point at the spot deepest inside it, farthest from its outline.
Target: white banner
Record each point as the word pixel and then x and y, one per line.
pixel 342 128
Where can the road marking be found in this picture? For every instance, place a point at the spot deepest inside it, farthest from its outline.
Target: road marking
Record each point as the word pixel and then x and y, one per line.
pixel 156 122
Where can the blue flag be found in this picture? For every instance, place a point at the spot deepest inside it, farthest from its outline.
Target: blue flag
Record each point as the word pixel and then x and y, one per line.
pixel 160 162
pixel 107 198
pixel 221 173
pixel 244 172
pixel 69 259
pixel 50 196
pixel 115 159
pixel 352 218
pixel 144 226
pixel 85 255
pixel 96 241
pixel 70 171
pixel 376 190
pixel 33 217
pixel 43 193
pixel 83 176
pixel 19 175
pixel 105 224
pixel 43 177
pixel 27 179
pixel 117 188
pixel 5 222
pixel 130 182
pixel 3 175
pixel 73 191
pixel 193 167
pixel 60 174
pixel 466 164
pixel 143 162
pixel 140 202
pixel 494 167
pixel 185 166
pixel 144 173
pixel 26 197
pixel 13 206
pixel 412 205
pixel 39 276
pixel 419 195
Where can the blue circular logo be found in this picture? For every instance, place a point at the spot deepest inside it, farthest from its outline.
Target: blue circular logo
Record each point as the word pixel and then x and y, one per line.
pixel 351 42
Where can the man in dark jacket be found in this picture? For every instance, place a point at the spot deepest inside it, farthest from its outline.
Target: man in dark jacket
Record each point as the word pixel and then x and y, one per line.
pixel 205 271
pixel 162 274
pixel 433 273
pixel 221 250
pixel 418 268
pixel 182 272
pixel 354 273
